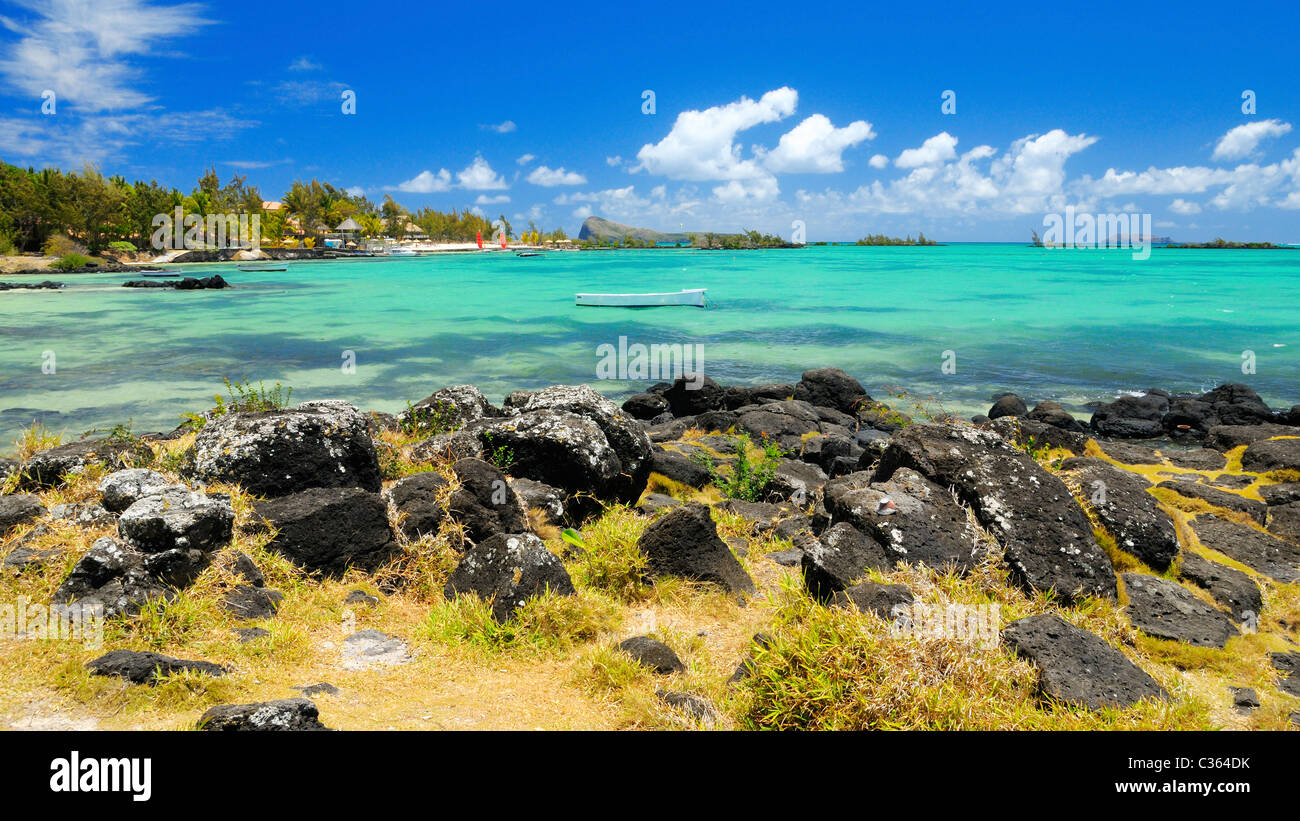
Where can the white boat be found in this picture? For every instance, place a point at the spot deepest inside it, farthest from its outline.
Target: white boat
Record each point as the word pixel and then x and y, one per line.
pixel 402 252
pixel 686 296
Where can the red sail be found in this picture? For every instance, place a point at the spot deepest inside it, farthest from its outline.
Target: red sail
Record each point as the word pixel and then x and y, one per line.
pixel 479 236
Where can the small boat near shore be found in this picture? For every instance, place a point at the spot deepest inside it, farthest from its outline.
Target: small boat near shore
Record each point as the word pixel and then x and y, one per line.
pixel 687 296
pixel 529 254
pixel 254 269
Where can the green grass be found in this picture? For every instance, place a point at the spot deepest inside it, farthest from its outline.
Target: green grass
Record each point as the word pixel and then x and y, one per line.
pixel 69 262
pixel 748 478
pixel 544 624
pixel 609 560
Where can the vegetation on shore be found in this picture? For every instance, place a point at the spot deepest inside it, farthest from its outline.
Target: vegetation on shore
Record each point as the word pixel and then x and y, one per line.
pixel 882 239
pixel 57 213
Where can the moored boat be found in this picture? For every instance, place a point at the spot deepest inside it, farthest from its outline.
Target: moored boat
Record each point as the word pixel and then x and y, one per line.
pixel 253 269
pixel 686 296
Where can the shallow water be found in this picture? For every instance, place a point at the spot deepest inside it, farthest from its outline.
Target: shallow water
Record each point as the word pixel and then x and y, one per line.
pixel 1070 325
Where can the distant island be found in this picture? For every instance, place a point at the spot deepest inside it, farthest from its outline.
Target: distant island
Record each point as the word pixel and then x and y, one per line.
pixel 598 232
pixel 1220 242
pixel 881 239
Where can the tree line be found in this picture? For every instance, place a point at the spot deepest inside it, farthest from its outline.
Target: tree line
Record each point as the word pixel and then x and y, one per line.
pixel 41 210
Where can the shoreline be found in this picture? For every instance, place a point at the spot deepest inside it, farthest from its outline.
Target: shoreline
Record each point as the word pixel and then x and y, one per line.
pixel 1152 418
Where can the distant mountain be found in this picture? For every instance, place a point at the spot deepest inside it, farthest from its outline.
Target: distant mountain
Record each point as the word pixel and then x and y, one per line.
pixel 598 229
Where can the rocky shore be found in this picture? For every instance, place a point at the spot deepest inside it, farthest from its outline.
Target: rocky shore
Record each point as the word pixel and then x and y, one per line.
pixel 1190 539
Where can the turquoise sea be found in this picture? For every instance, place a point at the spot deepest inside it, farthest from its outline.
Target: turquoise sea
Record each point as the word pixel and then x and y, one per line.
pixel 1065 324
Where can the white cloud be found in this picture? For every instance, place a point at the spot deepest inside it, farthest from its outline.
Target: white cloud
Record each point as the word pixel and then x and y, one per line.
pixel 427 182
pixel 303 93
pixel 304 64
pixel 71 141
pixel 77 49
pixel 702 144
pixel 935 151
pixel 614 161
pixel 815 146
pixel 547 177
pixel 1029 177
pixel 1242 188
pixel 501 128
pixel 582 212
pixel 1182 206
pixel 253 165
pixel 484 199
pixel 878 161
pixel 356 191
pixel 479 176
pixel 759 189
pixel 526 159
pixel 1244 139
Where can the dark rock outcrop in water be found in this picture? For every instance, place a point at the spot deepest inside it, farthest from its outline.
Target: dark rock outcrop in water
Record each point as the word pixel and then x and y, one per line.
pixel 1157 413
pixel 212 283
pixel 45 285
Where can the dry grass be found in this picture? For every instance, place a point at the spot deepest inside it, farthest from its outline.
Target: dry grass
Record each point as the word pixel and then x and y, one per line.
pixel 556 665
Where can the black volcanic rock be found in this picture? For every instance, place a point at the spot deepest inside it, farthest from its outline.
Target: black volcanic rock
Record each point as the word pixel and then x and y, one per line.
pixel 832 388
pixel 1131 417
pixel 693 394
pixel 417 501
pixel 330 529
pixel 484 503
pixel 654 654
pixel 506 570
pixel 1276 558
pixel 284 715
pixel 1167 610
pixel 18 509
pixel 1229 587
pixel 1046 538
pixel 684 542
pixel 838 558
pixel 276 452
pixel 1126 510
pixel 1077 667
pixel 147 668
pixel 1008 405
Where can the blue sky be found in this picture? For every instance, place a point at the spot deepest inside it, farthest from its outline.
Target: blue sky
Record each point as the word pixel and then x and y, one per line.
pixel 765 113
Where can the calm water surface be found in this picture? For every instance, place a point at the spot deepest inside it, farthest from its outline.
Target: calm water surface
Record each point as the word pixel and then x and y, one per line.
pixel 1070 325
